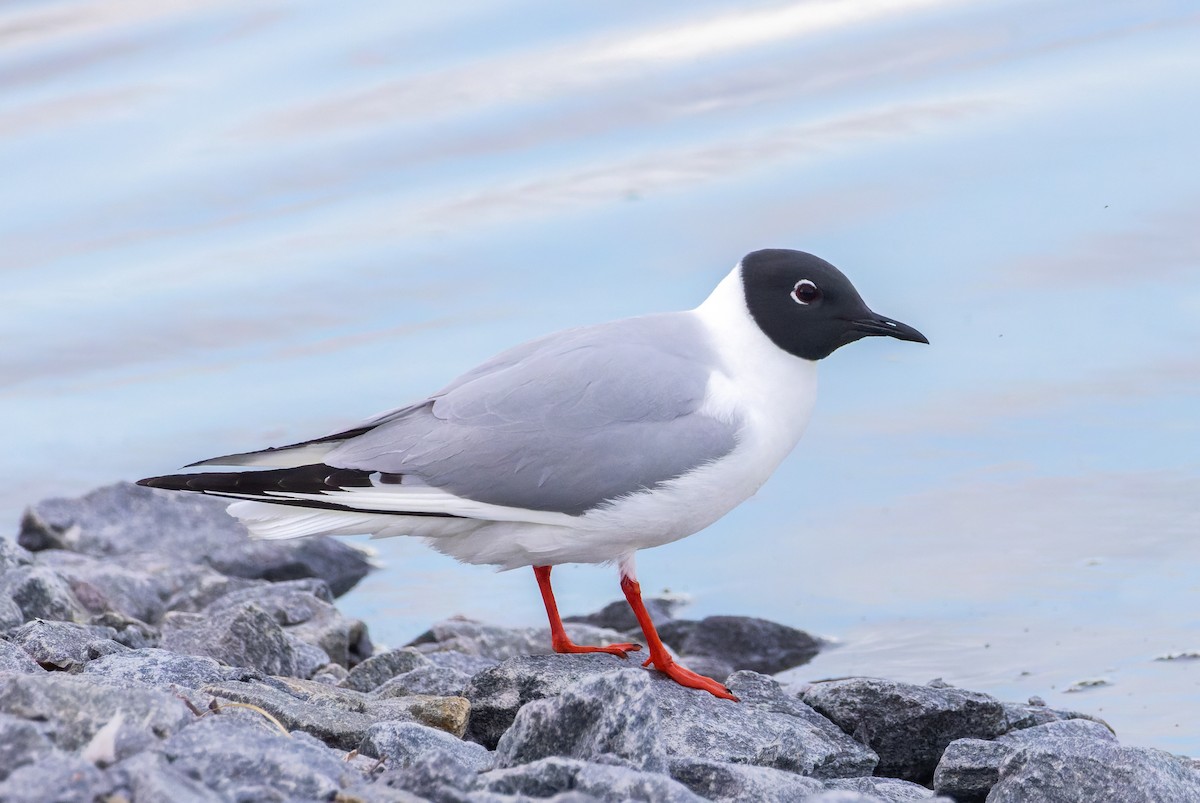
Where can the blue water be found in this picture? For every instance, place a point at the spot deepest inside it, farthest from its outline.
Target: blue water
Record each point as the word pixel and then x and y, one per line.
pixel 230 225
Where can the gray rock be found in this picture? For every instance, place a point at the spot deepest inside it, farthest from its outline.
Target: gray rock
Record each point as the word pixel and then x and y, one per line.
pixel 340 717
pixel 150 777
pixel 619 616
pixel 460 661
pixel 400 743
pixel 969 768
pixel 429 679
pixel 161 669
pixel 605 782
pixel 61 645
pixel 609 714
pixel 644 719
pixel 722 781
pixel 501 643
pixel 496 694
pixel 13 555
pixel 373 672
pixel 10 613
pixel 743 642
pixel 76 708
pixel 132 633
pixel 908 726
pixel 21 742
pixel 888 790
pixel 41 593
pixel 1018 716
pixel 333 674
pixel 124 518
pixel 55 777
pixel 435 775
pixel 242 636
pixel 105 585
pixel 242 756
pixel 14 659
pixel 1079 769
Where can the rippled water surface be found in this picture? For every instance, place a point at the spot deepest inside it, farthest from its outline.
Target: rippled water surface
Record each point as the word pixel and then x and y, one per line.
pixel 230 225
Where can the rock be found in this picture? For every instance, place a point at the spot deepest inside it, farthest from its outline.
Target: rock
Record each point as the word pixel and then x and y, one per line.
pixel 435 775
pixel 149 776
pixel 609 714
pixel 460 661
pixel 14 659
pixel 888 790
pixel 743 642
pixel 102 585
pixel 645 719
pixel 1018 716
pixel 496 694
pixel 77 709
pixel 340 717
pixel 501 643
pixel 332 674
pixel 40 593
pixel 160 669
pixel 124 518
pixel 969 768
pixel 722 781
pixel 21 742
pixel 13 555
pixel 400 743
pixel 373 672
pixel 429 679
pixel 242 756
pixel 55 777
pixel 619 616
pixel 242 636
pixel 61 645
pixel 1075 769
pixel 908 726
pixel 605 782
pixel 10 613
pixel 131 633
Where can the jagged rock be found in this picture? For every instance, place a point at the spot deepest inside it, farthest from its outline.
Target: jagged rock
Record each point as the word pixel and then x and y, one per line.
pixel 722 781
pixel 435 775
pixel 125 518
pixel 55 777
pixel 743 642
pixel 102 585
pixel 400 743
pixel 245 635
pixel 161 669
pixel 77 709
pixel 41 593
pixel 605 782
pixel 430 679
pixel 887 790
pixel 460 661
pixel 21 742
pixel 10 613
pixel 373 672
pixel 62 645
pixel 131 633
pixel 619 616
pixel 909 726
pixel 14 659
pixel 341 717
pixel 149 776
pixel 497 693
pixel 242 756
pixel 1029 715
pixel 1075 769
pixel 970 767
pixel 13 555
pixel 501 643
pixel 645 719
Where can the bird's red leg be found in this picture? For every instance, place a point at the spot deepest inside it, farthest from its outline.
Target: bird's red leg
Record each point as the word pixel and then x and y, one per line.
pixel 558 636
pixel 659 657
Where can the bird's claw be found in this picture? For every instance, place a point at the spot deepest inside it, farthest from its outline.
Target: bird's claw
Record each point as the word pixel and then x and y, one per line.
pixel 621 650
pixel 686 677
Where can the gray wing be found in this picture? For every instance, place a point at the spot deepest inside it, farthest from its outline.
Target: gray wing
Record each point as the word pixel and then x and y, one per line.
pixel 563 423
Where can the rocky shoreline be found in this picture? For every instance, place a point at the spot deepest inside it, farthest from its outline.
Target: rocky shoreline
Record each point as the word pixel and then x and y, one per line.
pixel 150 651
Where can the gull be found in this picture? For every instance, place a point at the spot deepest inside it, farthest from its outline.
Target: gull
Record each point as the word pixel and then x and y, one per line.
pixel 582 446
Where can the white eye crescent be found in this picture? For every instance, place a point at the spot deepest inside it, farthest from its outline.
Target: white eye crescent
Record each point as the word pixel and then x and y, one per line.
pixel 805 292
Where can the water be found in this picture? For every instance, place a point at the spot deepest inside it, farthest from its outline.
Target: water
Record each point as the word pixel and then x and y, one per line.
pixel 230 225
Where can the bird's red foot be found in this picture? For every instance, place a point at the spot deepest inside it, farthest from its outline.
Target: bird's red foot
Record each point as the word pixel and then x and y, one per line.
pixel 686 677
pixel 621 650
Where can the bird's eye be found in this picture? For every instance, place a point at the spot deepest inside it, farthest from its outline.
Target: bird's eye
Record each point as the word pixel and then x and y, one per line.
pixel 805 292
